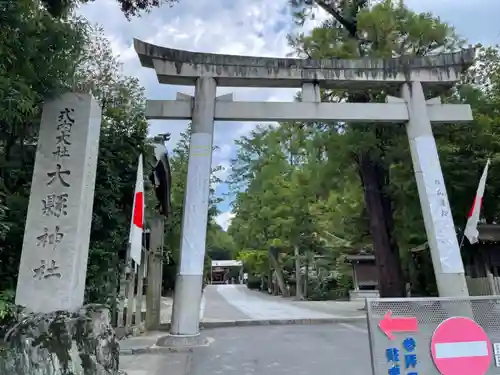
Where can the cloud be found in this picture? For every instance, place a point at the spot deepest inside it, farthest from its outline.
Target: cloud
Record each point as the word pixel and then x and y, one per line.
pixel 224 219
pixel 256 28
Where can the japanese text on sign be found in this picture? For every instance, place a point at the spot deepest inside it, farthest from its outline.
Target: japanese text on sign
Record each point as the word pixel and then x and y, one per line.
pixel 58 175
pixel 55 203
pixel 65 122
pixel 46 270
pixel 443 204
pixel 393 357
pixel 50 238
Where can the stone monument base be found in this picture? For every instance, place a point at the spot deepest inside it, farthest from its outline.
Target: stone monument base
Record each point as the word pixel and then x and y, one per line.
pixel 62 343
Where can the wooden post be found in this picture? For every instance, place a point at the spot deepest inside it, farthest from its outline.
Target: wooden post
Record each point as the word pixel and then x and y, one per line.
pixel 130 298
pixel 115 307
pixel 155 273
pixel 121 300
pixel 138 297
pixel 124 283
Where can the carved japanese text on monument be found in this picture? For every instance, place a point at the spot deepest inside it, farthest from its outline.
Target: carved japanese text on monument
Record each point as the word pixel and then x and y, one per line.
pixel 58 176
pixel 46 270
pixel 56 239
pixel 50 238
pixel 55 205
pixel 444 229
pixel 65 122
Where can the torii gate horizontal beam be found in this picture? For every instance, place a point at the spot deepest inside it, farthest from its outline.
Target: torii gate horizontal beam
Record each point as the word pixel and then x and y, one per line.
pixel 307 111
pixel 180 67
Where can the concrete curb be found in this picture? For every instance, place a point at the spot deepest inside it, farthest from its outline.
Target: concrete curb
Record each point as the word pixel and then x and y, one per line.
pixel 264 322
pixel 155 350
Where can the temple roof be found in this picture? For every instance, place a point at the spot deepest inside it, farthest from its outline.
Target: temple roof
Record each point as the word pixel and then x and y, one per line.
pixel 361 254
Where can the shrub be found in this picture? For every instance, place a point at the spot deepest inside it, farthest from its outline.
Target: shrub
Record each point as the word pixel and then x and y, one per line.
pixel 7 310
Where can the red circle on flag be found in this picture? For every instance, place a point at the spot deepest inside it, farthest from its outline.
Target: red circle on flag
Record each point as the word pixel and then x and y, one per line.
pixel 461 346
pixel 138 218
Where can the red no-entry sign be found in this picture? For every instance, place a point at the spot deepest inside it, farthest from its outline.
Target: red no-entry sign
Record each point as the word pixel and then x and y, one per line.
pixel 459 346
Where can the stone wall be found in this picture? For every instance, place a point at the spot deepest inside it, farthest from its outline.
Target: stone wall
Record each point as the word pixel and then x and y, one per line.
pixel 62 343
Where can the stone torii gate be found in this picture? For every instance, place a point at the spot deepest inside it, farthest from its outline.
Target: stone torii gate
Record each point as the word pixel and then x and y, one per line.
pixel 206 71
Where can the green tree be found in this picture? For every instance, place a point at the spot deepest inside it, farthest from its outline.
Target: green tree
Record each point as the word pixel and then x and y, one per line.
pixel 39 56
pixel 220 245
pixel 130 8
pixel 387 29
pixel 282 200
pixel 69 55
pixel 122 139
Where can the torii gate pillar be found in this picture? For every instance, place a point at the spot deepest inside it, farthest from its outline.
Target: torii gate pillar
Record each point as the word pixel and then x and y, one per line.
pixel 438 220
pixel 409 74
pixel 189 280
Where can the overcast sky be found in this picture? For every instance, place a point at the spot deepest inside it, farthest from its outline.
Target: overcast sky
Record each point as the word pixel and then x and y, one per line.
pixel 248 27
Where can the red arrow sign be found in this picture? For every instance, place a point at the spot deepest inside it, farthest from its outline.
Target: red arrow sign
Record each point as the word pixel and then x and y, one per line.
pixel 388 325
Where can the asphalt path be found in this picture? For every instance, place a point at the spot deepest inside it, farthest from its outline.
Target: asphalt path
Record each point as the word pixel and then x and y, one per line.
pixel 340 348
pixel 274 350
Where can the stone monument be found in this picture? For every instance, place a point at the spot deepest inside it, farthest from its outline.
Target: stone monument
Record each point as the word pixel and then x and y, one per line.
pixel 56 334
pixel 408 75
pixel 57 234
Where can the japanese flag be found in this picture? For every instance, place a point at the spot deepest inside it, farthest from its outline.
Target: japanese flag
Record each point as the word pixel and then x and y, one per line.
pixel 471 231
pixel 137 221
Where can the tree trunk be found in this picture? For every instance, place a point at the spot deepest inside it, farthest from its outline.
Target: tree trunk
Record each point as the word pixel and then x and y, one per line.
pixel 298 285
pixel 378 206
pixel 279 274
pixel 270 277
pixel 306 276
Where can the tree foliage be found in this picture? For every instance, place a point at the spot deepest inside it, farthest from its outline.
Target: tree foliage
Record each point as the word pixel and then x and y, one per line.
pixel 387 29
pixel 39 57
pixel 351 186
pixel 122 139
pixel 130 8
pixel 42 57
pixel 283 201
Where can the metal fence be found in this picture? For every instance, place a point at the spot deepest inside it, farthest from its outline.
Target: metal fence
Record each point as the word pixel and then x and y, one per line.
pixel 415 320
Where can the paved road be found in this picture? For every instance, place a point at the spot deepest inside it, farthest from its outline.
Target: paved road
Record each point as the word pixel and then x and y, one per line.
pixel 257 306
pixel 263 349
pixel 266 350
pixel 235 302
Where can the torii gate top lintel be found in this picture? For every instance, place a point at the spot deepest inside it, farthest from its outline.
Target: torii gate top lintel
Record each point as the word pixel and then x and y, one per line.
pixel 180 67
